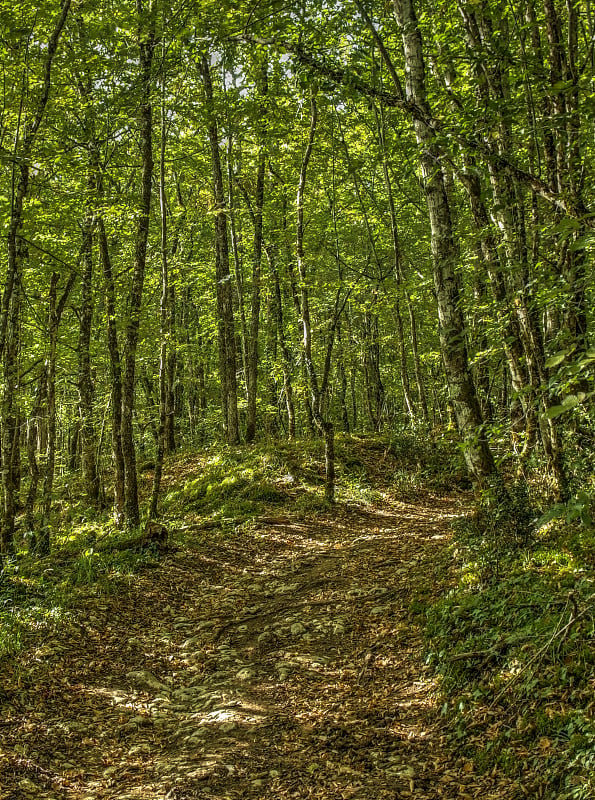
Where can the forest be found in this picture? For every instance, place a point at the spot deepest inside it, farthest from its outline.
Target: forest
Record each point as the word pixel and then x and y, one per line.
pixel 297 442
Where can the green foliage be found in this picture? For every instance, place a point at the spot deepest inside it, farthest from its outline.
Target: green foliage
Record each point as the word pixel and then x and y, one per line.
pixel 516 651
pixel 429 459
pixel 37 593
pixel 240 483
pixel 502 523
pixel 227 483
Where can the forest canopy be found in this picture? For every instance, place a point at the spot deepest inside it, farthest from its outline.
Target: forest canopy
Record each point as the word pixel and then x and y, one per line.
pixel 230 220
pixel 297 406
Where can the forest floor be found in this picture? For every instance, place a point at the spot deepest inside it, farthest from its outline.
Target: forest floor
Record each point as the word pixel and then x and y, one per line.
pixel 283 660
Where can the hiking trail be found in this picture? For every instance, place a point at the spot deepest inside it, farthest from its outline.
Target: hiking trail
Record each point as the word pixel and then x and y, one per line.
pixel 283 662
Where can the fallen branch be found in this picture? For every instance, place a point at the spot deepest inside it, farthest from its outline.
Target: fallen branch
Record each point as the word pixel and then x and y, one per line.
pixel 486 654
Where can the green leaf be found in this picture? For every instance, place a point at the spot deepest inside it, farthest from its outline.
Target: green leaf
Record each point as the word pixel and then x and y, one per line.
pixel 556 359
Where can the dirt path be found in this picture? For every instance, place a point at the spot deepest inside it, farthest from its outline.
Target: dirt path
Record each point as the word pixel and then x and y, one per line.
pixel 285 663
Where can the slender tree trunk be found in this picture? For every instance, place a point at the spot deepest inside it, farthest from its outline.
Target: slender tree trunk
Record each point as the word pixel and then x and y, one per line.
pixel 277 309
pixel 116 373
pixel 55 311
pixel 146 45
pixel 32 446
pixel 421 389
pixel 478 455
pixel 374 387
pixel 10 306
pixel 171 407
pixel 252 359
pixel 9 422
pixel 236 249
pixel 43 539
pixel 85 380
pixel 165 312
pixel 398 268
pixel 324 425
pixel 342 374
pixel 226 328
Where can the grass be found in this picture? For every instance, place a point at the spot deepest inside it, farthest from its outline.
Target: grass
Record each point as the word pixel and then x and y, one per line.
pixel 37 593
pixel 428 462
pixel 222 486
pixel 243 482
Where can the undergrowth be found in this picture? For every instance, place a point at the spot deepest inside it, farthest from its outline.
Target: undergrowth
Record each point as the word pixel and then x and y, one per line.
pixel 237 484
pixel 514 644
pixel 428 461
pixel 220 486
pixel 36 593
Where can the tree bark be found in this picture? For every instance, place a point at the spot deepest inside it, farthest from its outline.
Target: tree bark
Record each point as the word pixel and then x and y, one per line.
pixel 116 373
pixel 419 381
pixel 32 446
pixel 146 46
pixel 85 379
pixel 226 327
pixel 252 354
pixel 55 310
pixel 397 267
pixel 286 363
pixel 478 455
pixel 324 425
pixel 165 312
pixel 10 306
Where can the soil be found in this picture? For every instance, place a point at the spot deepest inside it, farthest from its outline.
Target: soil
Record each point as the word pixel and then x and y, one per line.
pixel 282 662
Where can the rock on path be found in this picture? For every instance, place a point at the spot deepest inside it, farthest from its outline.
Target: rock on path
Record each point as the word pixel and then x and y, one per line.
pixel 285 663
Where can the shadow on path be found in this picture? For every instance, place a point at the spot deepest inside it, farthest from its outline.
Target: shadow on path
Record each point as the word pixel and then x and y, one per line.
pixel 282 663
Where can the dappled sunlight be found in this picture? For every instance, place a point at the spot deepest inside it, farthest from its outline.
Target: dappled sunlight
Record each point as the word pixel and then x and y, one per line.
pixel 284 659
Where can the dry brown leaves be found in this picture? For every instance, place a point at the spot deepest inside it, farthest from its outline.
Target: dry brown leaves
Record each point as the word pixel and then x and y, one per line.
pixel 290 662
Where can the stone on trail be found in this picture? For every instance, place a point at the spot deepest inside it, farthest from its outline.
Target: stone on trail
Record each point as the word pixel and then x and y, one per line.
pixel 28 786
pixel 139 749
pixel 146 680
pixel 378 610
pixel 193 640
pixel 245 674
pixel 142 719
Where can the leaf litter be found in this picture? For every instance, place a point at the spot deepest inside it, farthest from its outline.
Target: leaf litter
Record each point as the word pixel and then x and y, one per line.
pixel 282 662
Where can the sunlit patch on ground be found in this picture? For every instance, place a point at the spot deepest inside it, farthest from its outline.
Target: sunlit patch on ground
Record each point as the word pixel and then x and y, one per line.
pixel 283 663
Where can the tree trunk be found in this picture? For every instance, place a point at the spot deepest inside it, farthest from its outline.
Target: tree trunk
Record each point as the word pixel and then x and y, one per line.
pixel 165 312
pixel 277 311
pixel 252 355
pixel 146 45
pixel 478 455
pixel 85 380
pixel 421 389
pixel 34 471
pixel 116 373
pixel 397 267
pixel 226 328
pixel 55 311
pixel 9 421
pixel 324 426
pixel 10 306
pixel 342 374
